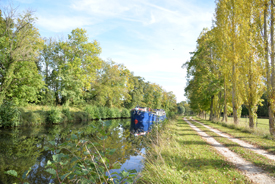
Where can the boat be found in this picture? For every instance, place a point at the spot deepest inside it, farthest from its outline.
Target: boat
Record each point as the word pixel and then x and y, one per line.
pixel 142 119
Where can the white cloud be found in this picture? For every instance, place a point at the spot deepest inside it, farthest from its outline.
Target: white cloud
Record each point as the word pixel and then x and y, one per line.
pixel 25 1
pixel 62 23
pixel 103 8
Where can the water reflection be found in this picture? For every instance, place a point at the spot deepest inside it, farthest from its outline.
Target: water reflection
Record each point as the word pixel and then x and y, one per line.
pixel 23 148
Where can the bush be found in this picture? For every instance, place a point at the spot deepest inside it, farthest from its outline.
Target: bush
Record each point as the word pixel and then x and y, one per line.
pixel 110 113
pixel 54 116
pixel 9 115
pixel 30 118
pixel 125 113
pixel 96 113
pixel 171 114
pixel 81 116
pixel 102 112
pixel 92 111
pixel 66 111
pixel 117 113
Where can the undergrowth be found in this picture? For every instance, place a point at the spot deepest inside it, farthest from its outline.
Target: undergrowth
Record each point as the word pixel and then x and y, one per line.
pixel 11 115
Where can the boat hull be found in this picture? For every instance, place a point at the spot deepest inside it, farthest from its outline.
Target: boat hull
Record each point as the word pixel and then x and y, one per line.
pixel 142 121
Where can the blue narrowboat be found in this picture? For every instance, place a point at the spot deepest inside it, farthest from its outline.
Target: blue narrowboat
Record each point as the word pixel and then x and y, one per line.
pixel 142 119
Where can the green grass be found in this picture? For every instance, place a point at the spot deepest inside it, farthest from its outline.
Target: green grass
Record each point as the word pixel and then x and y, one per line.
pixel 260 124
pixel 264 141
pixel 259 160
pixel 180 155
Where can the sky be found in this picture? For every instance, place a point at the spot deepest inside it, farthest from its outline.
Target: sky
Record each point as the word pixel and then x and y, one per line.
pixel 152 38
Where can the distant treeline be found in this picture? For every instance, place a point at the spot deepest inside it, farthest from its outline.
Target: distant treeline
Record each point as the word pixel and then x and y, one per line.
pixel 67 71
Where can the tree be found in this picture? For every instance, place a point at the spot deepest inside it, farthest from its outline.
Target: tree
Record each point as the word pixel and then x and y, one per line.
pixel 110 87
pixel 136 94
pixel 19 44
pixel 76 63
pixel 181 109
pixel 205 83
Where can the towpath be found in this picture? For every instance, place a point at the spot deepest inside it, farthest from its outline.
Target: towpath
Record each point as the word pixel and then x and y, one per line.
pixel 253 172
pixel 240 142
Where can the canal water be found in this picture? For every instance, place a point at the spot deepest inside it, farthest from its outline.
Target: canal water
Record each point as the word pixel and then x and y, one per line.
pixel 25 147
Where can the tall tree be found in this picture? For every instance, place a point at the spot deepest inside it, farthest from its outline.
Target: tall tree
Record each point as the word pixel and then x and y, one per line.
pixel 19 43
pixel 78 60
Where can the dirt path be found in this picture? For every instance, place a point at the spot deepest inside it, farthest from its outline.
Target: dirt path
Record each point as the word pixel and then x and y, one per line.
pixel 240 142
pixel 254 173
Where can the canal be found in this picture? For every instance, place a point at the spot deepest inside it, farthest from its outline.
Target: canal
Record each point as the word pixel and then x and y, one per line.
pixel 28 147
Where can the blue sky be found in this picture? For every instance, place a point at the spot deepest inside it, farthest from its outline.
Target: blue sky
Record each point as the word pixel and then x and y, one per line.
pixel 152 38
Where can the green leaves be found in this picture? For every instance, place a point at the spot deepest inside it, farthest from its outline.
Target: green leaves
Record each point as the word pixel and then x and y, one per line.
pixel 12 173
pixel 74 137
pixel 25 174
pixel 22 42
pixel 80 159
pixel 9 115
pixel 51 171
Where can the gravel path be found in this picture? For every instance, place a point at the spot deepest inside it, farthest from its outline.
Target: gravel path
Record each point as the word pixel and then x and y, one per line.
pixel 254 173
pixel 240 142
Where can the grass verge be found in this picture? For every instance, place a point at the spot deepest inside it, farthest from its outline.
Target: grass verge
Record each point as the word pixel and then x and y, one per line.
pixel 179 155
pixel 259 160
pixel 264 142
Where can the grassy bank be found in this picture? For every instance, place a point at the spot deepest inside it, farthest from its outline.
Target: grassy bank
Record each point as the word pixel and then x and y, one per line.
pixel 259 160
pixel 11 115
pixel 177 154
pixel 261 124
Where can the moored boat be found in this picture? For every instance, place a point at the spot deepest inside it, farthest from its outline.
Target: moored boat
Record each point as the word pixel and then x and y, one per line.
pixel 142 119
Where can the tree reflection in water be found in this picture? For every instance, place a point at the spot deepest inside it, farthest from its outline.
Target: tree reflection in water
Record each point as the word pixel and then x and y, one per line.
pixel 23 148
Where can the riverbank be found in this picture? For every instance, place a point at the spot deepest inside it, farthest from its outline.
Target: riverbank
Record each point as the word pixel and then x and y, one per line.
pixel 177 154
pixel 12 116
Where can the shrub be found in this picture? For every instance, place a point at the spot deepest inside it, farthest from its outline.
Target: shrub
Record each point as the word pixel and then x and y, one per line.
pixel 91 111
pixel 66 111
pixel 31 118
pixel 125 113
pixel 96 113
pixel 102 112
pixel 117 113
pixel 171 114
pixel 81 116
pixel 110 113
pixel 9 115
pixel 54 115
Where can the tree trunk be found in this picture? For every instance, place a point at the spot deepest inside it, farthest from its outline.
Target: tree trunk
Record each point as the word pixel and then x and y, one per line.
pixel 234 79
pixel 251 117
pixel 235 113
pixel 272 46
pixel 211 108
pixel 270 80
pixel 272 86
pixel 225 105
pixel 220 107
